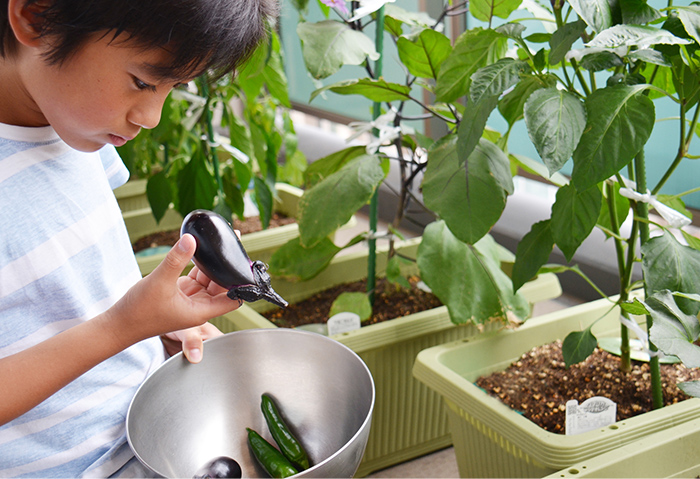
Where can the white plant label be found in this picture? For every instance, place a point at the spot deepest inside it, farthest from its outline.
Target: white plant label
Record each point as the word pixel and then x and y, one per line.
pixel 591 414
pixel 343 323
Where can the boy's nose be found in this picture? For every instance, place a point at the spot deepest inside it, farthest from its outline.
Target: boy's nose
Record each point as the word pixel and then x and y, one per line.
pixel 146 114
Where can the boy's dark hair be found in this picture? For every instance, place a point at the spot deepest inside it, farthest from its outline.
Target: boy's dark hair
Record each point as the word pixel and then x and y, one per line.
pixel 201 35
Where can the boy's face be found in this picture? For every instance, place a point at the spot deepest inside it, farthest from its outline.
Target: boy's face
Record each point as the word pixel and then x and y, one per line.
pixel 104 93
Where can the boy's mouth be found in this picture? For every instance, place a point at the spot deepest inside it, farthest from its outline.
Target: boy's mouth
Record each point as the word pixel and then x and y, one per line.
pixel 117 140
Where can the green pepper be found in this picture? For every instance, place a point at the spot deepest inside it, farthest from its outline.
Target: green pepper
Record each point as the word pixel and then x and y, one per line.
pixel 288 444
pixel 273 461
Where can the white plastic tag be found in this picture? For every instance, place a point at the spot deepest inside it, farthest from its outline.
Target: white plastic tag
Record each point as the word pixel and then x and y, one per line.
pixel 591 414
pixel 343 323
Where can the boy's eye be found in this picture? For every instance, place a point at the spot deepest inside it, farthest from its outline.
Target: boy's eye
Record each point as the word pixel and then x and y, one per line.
pixel 141 85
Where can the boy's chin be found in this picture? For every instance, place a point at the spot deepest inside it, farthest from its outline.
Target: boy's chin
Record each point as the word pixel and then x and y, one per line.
pixel 84 145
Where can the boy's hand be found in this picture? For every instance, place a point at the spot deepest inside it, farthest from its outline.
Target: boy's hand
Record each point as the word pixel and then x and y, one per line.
pixel 164 301
pixel 190 341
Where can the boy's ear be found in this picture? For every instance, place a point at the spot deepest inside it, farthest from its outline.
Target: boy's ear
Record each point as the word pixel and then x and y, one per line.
pixel 24 20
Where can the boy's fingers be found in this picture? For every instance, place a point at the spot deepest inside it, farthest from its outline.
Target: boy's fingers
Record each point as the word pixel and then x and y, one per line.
pixel 178 257
pixel 192 345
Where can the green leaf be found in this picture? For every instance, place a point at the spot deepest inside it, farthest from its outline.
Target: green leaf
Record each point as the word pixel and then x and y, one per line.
pixel 300 5
pixel 253 67
pixel 691 388
pixel 276 80
pixel 538 37
pixel 512 30
pixel 196 186
pixel 669 301
pixel 649 56
pixel 692 241
pixel 511 105
pixel 239 134
pixel 326 166
pixel 574 215
pixel 685 81
pixel 537 168
pixel 159 194
pixel 393 271
pixel 496 78
pixel 532 253
pixel 673 331
pixel 473 49
pixel 485 10
pixel 469 282
pixel 472 126
pixel 395 16
pixel 469 195
pixel 620 121
pixel 562 40
pixel 331 202
pixel 667 264
pixel 690 18
pixel 635 307
pixel 264 200
pixel 357 303
pixel 599 61
pixel 328 45
pixel 424 55
pixel 577 346
pixel 640 36
pixel 637 12
pixel 376 90
pixel 233 194
pixel 596 13
pixel 295 262
pixel 555 121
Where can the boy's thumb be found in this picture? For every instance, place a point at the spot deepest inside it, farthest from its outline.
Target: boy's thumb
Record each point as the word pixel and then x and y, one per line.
pixel 179 256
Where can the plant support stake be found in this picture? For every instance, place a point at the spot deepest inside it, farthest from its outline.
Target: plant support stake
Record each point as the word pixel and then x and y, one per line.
pixel 373 205
pixel 643 213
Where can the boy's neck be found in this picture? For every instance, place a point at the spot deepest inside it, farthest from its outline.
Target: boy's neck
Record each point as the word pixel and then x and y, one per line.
pixel 16 107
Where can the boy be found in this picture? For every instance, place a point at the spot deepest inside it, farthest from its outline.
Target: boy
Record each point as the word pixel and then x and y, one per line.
pixel 80 328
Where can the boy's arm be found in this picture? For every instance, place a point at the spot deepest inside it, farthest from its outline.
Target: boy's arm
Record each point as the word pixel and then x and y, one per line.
pixel 160 303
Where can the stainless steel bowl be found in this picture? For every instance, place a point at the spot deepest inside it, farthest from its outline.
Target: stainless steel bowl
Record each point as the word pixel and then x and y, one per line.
pixel 186 414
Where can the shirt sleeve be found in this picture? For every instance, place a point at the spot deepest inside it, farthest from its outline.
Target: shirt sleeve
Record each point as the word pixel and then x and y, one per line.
pixel 117 173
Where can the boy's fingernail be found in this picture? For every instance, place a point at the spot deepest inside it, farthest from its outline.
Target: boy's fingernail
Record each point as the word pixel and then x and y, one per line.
pixel 194 355
pixel 182 244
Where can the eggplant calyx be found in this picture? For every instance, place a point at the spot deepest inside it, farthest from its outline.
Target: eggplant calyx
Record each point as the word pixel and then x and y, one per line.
pixel 260 290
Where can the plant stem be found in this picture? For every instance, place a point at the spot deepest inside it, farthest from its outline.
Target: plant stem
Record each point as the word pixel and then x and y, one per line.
pixel 625 360
pixel 374 203
pixel 682 147
pixel 643 212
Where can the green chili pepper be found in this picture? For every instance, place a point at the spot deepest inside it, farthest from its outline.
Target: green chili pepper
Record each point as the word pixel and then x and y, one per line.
pixel 273 461
pixel 288 444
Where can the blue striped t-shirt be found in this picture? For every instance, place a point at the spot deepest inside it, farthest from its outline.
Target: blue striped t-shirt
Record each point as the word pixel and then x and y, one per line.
pixel 65 257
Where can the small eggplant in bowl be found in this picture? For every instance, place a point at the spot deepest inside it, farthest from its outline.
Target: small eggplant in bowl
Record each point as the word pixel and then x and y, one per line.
pixel 221 256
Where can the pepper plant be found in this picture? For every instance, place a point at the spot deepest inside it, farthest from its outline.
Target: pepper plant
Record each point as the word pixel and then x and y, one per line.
pixel 339 185
pixel 205 154
pixel 584 81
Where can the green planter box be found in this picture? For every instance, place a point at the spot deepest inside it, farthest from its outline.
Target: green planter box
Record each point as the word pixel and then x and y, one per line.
pixel 492 440
pixel 674 452
pixel 409 419
pixel 132 195
pixel 259 245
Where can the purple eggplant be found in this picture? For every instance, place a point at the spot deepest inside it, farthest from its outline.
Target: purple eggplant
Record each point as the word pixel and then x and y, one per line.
pixel 221 256
pixel 220 467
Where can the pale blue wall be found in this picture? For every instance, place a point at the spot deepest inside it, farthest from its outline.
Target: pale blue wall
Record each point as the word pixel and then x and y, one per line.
pixel 660 149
